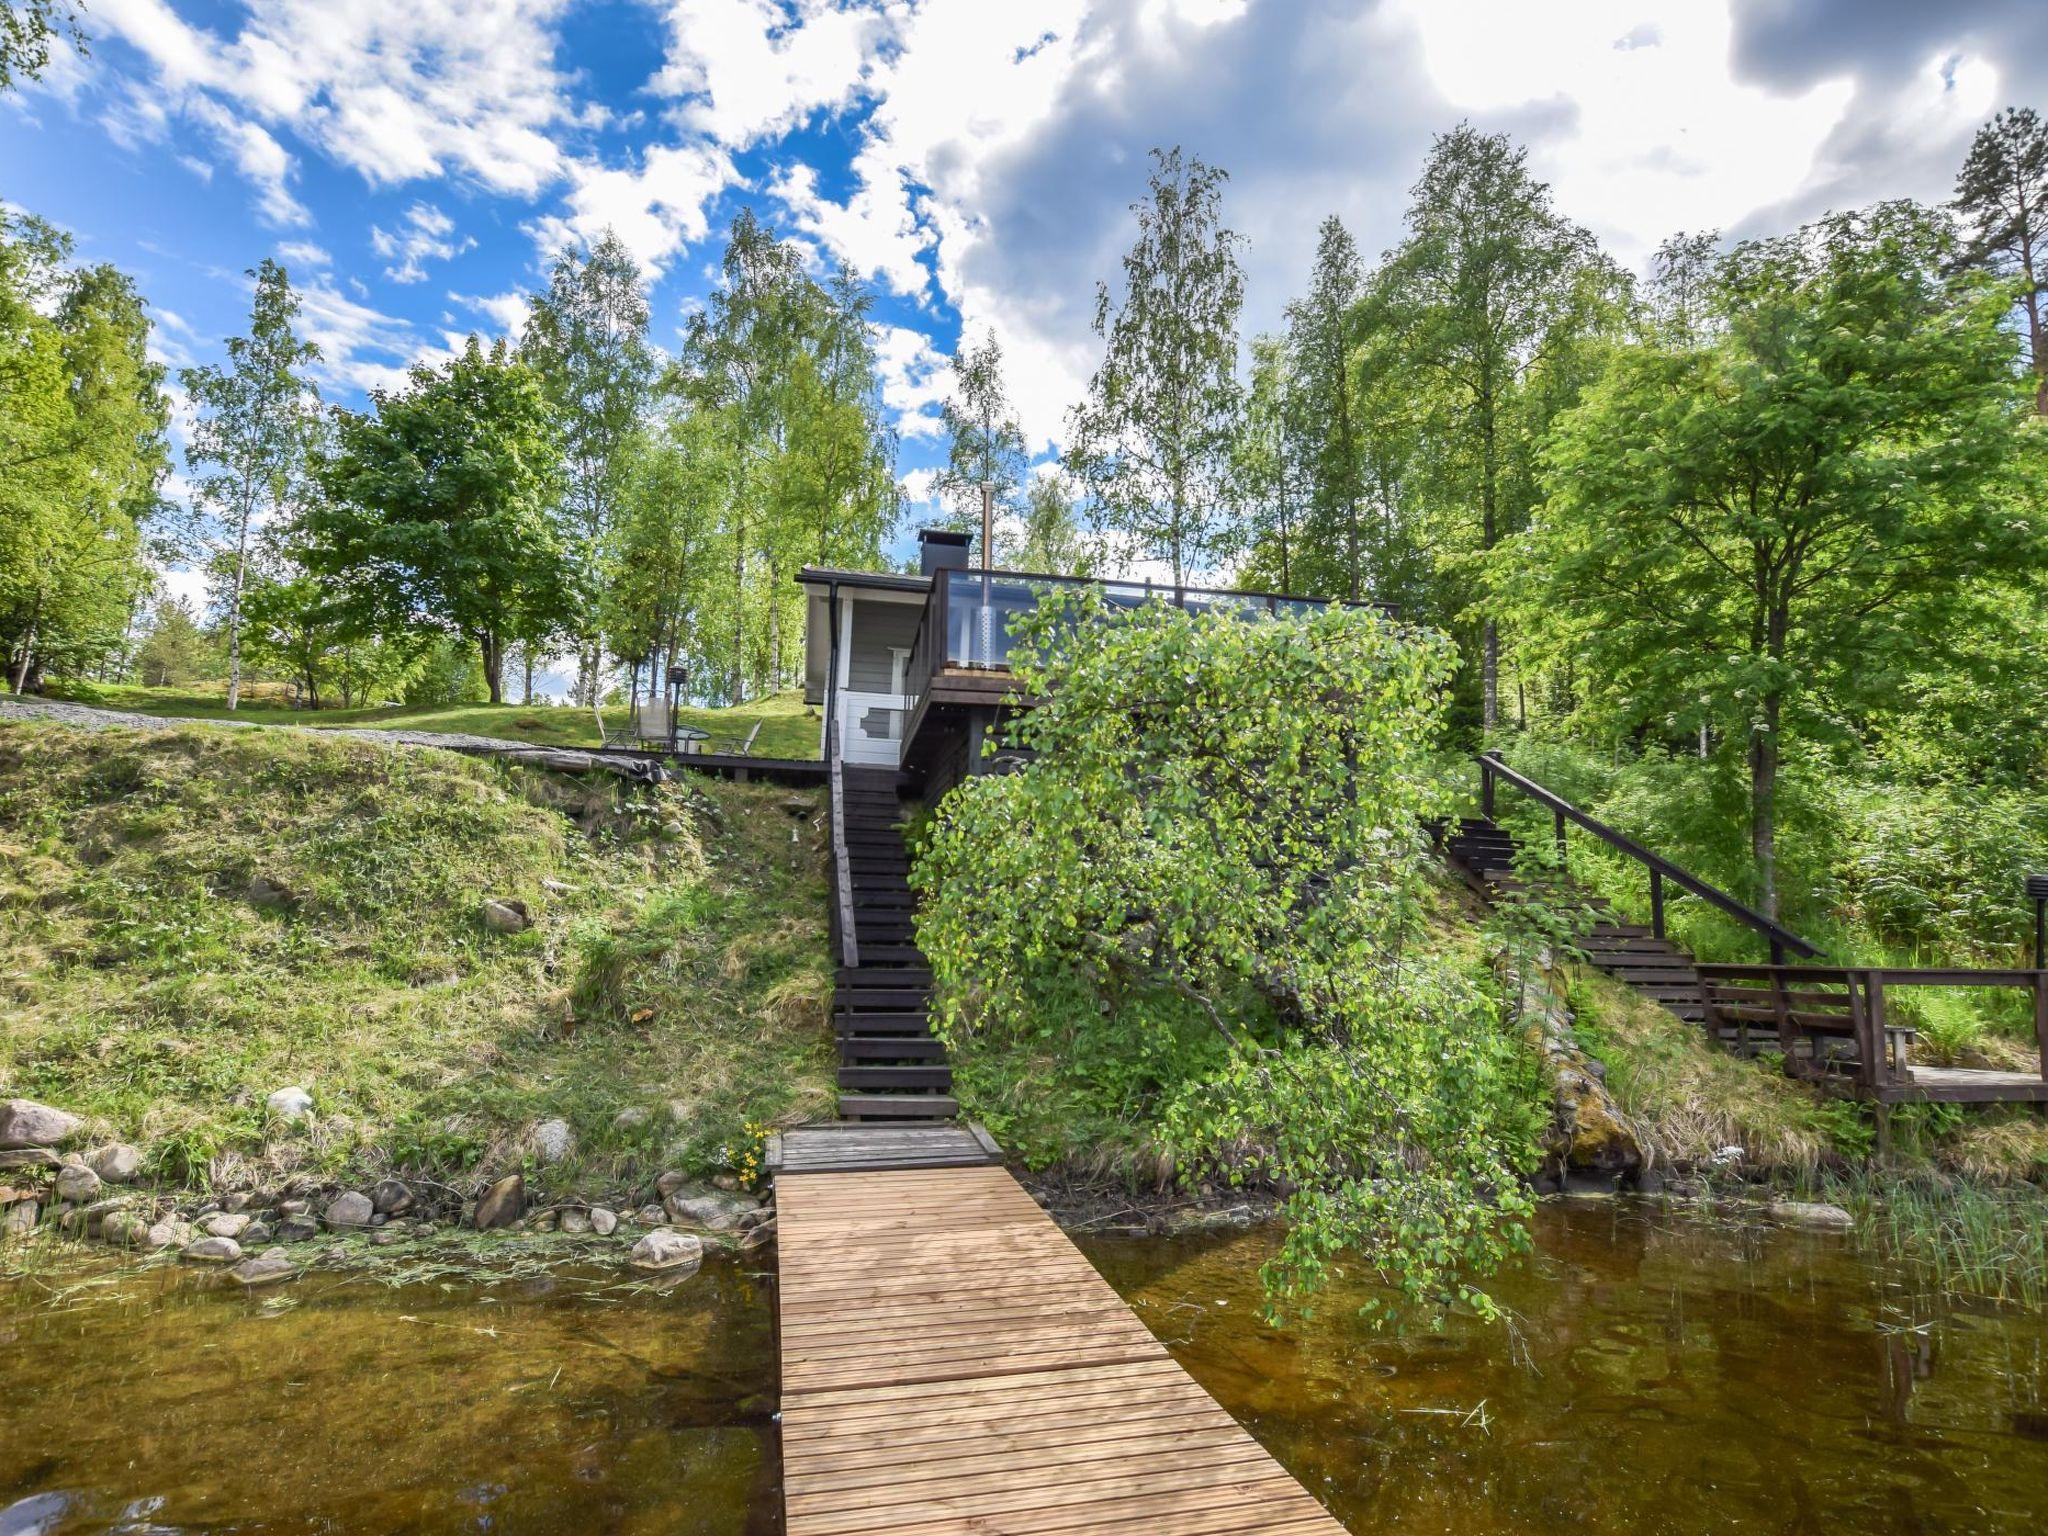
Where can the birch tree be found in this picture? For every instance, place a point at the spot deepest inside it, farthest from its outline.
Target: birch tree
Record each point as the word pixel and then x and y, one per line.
pixel 1152 443
pixel 248 449
pixel 2002 195
pixel 984 444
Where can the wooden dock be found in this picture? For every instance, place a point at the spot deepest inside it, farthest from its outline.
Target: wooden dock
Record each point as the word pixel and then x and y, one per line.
pixel 951 1364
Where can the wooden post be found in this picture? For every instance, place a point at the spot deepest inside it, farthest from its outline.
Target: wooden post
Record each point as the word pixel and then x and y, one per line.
pixel 1657 902
pixel 1876 1070
pixel 1485 787
pixel 2041 1018
pixel 1787 1043
pixel 1557 822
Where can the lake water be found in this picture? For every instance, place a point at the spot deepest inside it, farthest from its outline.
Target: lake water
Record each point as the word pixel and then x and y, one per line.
pixel 1667 1372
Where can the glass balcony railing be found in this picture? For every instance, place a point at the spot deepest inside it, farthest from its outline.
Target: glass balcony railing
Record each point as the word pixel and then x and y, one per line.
pixel 968 617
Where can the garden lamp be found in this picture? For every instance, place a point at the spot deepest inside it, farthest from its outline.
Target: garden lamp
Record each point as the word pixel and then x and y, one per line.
pixel 2037 887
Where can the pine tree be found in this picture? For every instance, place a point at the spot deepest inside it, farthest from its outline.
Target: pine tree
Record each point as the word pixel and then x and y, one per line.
pixel 2002 194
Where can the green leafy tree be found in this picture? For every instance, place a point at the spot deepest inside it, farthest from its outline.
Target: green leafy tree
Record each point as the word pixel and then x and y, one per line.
pixel 586 340
pixel 436 508
pixel 1327 422
pixel 83 454
pixel 1152 444
pixel 1489 283
pixel 1759 533
pixel 1051 540
pixel 175 651
pixel 1265 471
pixel 2002 195
pixel 1195 913
pixel 984 444
pixel 256 424
pixel 27 28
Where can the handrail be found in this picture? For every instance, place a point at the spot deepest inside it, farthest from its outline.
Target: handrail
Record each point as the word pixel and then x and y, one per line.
pixel 1781 938
pixel 842 875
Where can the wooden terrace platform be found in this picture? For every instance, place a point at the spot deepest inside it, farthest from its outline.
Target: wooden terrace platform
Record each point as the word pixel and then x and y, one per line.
pixel 951 1364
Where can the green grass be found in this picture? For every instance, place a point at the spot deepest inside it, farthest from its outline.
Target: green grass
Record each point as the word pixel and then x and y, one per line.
pixel 789 728
pixel 678 963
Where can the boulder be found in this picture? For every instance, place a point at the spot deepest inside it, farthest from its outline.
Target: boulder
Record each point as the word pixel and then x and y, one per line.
pixel 297 1229
pixel 117 1163
pixel 19 1219
pixel 669 1183
pixel 163 1234
pixel 391 1198
pixel 264 1269
pixel 256 1232
pixel 650 1216
pixel 348 1211
pixel 28 1157
pixel 603 1222
pixel 78 1184
pixel 225 1224
pixel 552 1141
pixel 757 1236
pixel 384 1237
pixel 272 895
pixel 501 1204
pixel 501 916
pixel 214 1250
pixel 666 1249
pixel 715 1213
pixel 292 1103
pixel 575 1223
pixel 1812 1213
pixel 25 1123
pixel 94 1216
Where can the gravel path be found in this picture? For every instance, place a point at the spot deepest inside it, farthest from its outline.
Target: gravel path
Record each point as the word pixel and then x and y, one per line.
pixel 564 759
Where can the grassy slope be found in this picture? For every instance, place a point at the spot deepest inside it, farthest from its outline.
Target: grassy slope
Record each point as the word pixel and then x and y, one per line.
pixel 678 962
pixel 788 729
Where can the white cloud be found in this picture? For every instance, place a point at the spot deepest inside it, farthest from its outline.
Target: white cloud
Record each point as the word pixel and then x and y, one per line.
pixel 304 253
pixel 360 347
pixel 745 69
pixel 655 209
pixel 397 92
pixel 427 235
pixel 506 311
pixel 916 378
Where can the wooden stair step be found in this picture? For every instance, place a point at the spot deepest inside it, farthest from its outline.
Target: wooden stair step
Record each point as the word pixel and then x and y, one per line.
pixel 892 977
pixel 857 1048
pixel 1644 981
pixel 882 1000
pixel 938 1079
pixel 897 1106
pixel 904 1024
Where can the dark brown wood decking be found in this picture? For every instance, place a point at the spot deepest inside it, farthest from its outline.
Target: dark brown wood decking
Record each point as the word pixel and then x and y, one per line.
pixel 951 1364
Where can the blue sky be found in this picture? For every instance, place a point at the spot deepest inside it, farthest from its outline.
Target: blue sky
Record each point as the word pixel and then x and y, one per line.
pixel 416 162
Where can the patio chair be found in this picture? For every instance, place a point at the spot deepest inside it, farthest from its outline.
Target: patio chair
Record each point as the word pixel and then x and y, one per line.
pixel 735 746
pixel 652 726
pixel 606 736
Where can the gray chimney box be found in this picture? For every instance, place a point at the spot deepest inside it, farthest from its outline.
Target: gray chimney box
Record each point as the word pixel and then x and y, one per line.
pixel 940 549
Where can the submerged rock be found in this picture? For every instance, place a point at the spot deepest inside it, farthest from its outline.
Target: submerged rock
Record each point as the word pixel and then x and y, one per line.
pixel 666 1249
pixel 502 1204
pixel 265 1269
pixel 25 1123
pixel 1812 1213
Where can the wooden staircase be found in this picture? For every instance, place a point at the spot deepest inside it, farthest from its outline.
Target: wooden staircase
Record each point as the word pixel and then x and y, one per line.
pixel 890 1065
pixel 1484 853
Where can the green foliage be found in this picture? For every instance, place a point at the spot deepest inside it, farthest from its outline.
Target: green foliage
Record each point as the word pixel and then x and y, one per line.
pixel 2002 195
pixel 149 992
pixel 83 454
pixel 1196 911
pixel 985 446
pixel 27 28
pixel 174 649
pixel 1754 535
pixel 1152 443
pixel 436 508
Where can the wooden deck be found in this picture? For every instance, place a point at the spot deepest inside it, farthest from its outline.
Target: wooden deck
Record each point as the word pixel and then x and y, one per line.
pixel 951 1364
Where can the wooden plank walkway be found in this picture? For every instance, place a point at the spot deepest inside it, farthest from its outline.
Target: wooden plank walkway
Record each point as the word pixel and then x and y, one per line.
pixel 951 1364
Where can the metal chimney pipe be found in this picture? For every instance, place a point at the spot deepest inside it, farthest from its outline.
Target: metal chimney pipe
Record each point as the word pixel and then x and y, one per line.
pixel 988 526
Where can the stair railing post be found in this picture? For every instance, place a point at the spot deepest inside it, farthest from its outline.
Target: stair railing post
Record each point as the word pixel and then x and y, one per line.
pixel 1656 901
pixel 1485 787
pixel 1557 821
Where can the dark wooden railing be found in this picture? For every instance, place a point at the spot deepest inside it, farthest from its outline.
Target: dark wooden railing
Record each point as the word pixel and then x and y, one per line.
pixel 1492 771
pixel 1806 1007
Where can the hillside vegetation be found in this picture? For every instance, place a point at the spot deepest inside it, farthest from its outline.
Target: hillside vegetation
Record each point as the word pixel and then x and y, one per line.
pixel 193 919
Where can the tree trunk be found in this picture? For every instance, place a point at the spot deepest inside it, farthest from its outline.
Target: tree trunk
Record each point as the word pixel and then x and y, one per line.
pixel 493 659
pixel 1489 532
pixel 28 645
pixel 235 614
pixel 1763 806
pixel 526 696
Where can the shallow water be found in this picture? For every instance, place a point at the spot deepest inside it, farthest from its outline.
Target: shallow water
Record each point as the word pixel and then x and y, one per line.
pixel 1668 1373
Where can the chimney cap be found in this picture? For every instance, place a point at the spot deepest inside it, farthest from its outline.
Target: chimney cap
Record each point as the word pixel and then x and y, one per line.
pixel 2037 887
pixel 942 536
